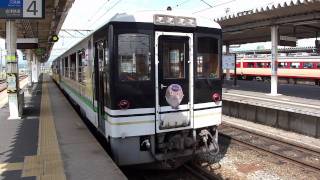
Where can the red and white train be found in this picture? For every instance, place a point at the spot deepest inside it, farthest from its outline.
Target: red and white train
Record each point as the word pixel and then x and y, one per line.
pixel 290 69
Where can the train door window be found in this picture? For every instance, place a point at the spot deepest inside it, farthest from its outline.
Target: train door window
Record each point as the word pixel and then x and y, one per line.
pixel 81 66
pixel 134 57
pixel 295 65
pixel 73 66
pixel 174 60
pixel 207 64
pixel 307 65
pixel 66 67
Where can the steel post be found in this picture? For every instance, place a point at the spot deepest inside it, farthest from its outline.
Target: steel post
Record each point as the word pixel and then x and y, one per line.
pixel 227 70
pixel 274 61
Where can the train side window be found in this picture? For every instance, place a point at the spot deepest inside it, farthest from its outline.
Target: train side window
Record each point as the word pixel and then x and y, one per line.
pixel 134 57
pixel 295 65
pixel 318 65
pixel 260 64
pixel 282 65
pixel 207 64
pixel 307 65
pixel 250 65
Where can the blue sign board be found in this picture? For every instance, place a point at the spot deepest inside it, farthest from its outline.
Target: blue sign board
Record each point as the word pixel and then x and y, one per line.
pixel 21 9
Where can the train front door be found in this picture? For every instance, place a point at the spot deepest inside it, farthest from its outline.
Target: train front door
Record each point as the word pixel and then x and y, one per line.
pixel 100 86
pixel 174 79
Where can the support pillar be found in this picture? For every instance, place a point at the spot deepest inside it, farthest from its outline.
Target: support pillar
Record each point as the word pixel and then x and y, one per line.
pixel 35 69
pixel 274 61
pixel 227 70
pixel 12 70
pixel 29 61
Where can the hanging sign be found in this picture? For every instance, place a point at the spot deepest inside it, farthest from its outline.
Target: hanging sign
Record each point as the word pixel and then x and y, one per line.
pixel 228 61
pixel 22 9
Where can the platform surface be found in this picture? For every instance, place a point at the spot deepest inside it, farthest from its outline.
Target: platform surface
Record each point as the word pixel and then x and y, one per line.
pixel 51 141
pixel 279 102
pixel 275 133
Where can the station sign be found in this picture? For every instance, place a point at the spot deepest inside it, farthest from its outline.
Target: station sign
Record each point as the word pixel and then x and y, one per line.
pixel 22 9
pixel 287 41
pixel 228 61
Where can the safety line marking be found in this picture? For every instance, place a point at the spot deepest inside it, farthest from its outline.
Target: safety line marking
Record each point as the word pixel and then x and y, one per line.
pixel 10 167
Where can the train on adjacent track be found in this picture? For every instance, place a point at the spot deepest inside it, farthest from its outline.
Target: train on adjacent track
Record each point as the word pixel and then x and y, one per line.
pixel 151 84
pixel 291 69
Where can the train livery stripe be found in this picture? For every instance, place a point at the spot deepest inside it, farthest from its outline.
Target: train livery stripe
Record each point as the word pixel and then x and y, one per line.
pixel 111 118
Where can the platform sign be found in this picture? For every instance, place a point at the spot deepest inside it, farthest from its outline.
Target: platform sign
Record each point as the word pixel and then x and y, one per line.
pixel 22 9
pixel 228 61
pixel 287 41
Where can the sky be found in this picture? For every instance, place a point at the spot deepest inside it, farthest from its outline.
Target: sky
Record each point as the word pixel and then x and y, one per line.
pixel 91 14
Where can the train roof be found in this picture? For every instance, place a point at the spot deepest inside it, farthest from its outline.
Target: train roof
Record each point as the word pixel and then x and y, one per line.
pixel 148 17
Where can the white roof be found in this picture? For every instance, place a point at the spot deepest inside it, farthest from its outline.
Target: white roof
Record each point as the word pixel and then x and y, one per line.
pixel 147 17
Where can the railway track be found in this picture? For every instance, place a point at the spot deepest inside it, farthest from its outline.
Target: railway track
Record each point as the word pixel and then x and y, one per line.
pixel 3 83
pixel 300 156
pixel 188 171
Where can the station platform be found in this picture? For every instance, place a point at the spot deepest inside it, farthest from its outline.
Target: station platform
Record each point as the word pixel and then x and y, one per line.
pixel 296 139
pixel 51 142
pixel 290 113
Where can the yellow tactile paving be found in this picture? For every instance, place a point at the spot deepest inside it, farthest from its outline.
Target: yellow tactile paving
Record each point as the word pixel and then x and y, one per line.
pixel 47 164
pixel 10 167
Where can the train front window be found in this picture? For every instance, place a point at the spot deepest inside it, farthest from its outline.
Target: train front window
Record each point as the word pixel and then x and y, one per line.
pixel 174 59
pixel 207 64
pixel 134 57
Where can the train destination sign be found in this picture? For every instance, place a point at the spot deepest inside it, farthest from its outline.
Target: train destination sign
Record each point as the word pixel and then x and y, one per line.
pixel 22 9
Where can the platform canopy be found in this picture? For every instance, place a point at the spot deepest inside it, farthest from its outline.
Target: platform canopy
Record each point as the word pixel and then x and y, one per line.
pixel 55 14
pixel 296 18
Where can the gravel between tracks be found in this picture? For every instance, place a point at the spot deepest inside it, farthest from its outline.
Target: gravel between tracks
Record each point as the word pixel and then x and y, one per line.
pixel 240 162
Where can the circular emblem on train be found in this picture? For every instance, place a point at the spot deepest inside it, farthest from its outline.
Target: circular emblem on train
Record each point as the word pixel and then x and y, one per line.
pixel 174 95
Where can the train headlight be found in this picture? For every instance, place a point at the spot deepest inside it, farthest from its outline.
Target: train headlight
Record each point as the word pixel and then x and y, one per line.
pixel 124 104
pixel 216 97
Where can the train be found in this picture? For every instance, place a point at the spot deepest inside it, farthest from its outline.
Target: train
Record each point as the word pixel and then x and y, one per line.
pixel 150 83
pixel 291 69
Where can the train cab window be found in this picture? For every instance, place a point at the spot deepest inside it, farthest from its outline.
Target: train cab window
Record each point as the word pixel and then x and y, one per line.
pixel 307 65
pixel 134 57
pixel 207 64
pixel 295 65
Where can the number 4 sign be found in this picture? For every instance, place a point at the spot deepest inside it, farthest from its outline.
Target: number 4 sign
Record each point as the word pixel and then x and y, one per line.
pixel 33 8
